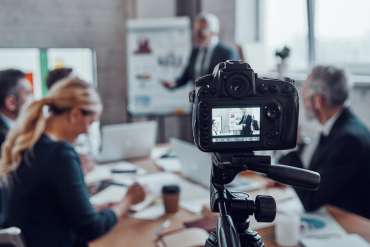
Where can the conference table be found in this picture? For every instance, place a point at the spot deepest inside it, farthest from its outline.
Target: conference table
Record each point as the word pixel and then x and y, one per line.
pixel 130 232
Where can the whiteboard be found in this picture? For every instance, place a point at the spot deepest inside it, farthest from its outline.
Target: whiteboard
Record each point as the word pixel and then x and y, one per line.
pixel 158 50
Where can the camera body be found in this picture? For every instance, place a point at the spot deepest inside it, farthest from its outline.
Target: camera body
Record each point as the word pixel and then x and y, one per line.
pixel 236 111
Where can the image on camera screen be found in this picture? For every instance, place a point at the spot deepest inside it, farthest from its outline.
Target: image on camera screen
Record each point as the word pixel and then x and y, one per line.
pixel 236 124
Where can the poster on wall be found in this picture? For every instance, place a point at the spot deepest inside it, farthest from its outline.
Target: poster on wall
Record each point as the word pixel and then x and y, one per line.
pixel 157 51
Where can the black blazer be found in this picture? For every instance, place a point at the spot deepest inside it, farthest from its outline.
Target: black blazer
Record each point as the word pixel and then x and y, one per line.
pixel 343 161
pixel 3 130
pixel 247 125
pixel 220 53
pixel 48 199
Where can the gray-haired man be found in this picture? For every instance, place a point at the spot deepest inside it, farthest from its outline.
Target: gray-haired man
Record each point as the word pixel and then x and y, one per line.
pixel 342 156
pixel 15 91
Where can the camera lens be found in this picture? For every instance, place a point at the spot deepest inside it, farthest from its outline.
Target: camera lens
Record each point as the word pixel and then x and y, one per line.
pixel 237 86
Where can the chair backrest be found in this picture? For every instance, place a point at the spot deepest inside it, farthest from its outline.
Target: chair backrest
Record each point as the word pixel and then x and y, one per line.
pixel 11 237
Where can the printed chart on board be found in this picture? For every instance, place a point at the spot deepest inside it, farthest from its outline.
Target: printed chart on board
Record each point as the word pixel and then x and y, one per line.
pixel 157 51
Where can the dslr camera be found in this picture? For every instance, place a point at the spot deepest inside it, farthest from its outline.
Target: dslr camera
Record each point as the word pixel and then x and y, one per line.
pixel 234 110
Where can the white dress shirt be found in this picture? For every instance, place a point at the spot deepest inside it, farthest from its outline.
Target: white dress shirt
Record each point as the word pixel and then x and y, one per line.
pixel 208 52
pixel 9 122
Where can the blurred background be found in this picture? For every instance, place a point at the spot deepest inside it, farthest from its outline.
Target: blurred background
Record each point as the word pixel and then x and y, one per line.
pixel 97 38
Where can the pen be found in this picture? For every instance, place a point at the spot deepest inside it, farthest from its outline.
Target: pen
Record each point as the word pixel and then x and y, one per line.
pixel 114 170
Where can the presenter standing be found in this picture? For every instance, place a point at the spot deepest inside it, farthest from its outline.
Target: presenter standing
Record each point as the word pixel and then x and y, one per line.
pixel 206 53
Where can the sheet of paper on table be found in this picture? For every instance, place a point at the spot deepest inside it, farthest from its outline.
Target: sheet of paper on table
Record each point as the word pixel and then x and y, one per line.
pixel 196 205
pixel 157 152
pixel 342 241
pixel 150 213
pixel 169 164
pixel 112 194
pixel 320 224
pixel 155 181
pixel 104 171
pixel 186 238
pixel 192 196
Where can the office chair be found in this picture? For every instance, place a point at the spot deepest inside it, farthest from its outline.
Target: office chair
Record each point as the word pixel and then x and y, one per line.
pixel 11 237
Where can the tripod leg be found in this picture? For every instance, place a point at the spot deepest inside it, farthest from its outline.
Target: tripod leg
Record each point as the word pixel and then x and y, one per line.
pixel 247 239
pixel 251 239
pixel 212 240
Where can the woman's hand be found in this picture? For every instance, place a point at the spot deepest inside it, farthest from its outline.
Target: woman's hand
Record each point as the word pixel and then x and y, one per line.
pixel 134 195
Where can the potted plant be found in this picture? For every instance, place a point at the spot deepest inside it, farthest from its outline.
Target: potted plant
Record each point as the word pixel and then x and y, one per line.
pixel 282 64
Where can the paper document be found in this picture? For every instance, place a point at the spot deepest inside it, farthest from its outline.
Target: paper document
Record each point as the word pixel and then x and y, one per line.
pixel 320 224
pixel 154 182
pixel 116 171
pixel 112 194
pixel 98 174
pixel 169 164
pixel 342 241
pixel 149 199
pixel 196 205
pixel 186 238
pixel 150 213
pixel 157 152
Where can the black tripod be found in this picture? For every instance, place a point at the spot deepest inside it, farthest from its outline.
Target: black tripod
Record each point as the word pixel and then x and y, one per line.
pixel 235 208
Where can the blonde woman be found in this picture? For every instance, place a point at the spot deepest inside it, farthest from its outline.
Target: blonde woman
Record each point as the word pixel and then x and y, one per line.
pixel 47 196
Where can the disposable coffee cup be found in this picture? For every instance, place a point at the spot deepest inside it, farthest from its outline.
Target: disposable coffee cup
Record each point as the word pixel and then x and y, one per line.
pixel 287 229
pixel 171 198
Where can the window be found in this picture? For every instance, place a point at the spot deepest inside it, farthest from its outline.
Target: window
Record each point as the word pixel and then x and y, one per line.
pixel 342 34
pixel 339 33
pixel 283 26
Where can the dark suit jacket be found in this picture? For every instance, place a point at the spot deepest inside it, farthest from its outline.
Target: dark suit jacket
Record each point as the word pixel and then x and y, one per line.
pixel 247 125
pixel 48 199
pixel 3 130
pixel 220 53
pixel 343 161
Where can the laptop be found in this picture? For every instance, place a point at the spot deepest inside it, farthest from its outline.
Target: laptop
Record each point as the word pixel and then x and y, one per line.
pixel 127 141
pixel 196 166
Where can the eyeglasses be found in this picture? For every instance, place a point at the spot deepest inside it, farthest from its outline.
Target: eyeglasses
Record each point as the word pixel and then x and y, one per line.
pixel 87 112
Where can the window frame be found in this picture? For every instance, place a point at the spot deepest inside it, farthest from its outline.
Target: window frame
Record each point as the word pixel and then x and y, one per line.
pixel 311 36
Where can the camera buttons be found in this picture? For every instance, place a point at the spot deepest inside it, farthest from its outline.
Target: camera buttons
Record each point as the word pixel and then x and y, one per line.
pixel 272 111
pixel 262 88
pixel 274 88
pixel 287 89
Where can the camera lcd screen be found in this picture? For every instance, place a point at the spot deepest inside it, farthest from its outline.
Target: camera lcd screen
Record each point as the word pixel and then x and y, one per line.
pixel 236 124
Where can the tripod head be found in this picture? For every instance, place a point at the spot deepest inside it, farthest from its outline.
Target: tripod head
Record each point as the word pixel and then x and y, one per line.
pixel 235 208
